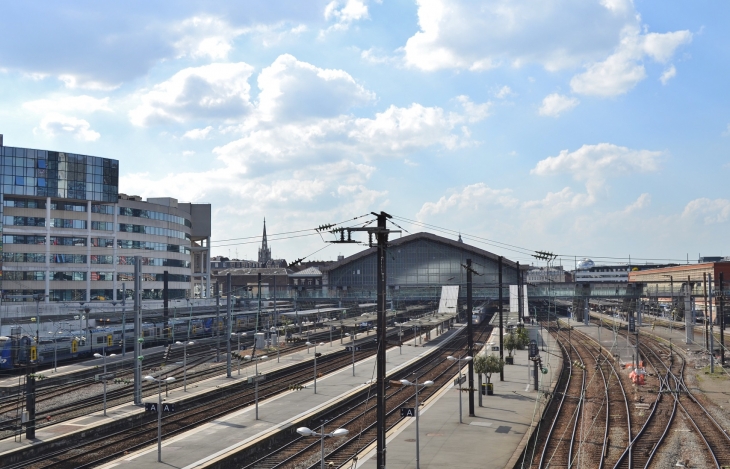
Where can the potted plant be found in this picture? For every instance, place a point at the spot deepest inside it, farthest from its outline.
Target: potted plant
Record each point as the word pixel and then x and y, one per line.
pixel 511 342
pixel 487 364
pixel 523 338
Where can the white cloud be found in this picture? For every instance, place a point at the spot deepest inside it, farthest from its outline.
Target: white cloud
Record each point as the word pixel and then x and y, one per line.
pixel 558 202
pixel 595 163
pixel 727 131
pixel 505 92
pixel 215 91
pixel 711 211
pixel 205 36
pixel 475 197
pixel 624 69
pixel 345 13
pixel 81 103
pixel 76 81
pixel 54 124
pixel 602 35
pixel 668 74
pixel 482 35
pixel 293 90
pixel 642 202
pixel 372 56
pixel 554 104
pixel 198 134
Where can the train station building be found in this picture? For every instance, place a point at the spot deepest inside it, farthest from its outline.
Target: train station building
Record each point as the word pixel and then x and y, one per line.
pixel 417 266
pixel 68 234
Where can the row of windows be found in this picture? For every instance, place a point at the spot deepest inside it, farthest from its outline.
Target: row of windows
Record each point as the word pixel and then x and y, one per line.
pixel 31 257
pixel 153 230
pixel 57 205
pixel 140 213
pixel 94 276
pixel 95 242
pixel 106 194
pixel 95 225
pixel 95 294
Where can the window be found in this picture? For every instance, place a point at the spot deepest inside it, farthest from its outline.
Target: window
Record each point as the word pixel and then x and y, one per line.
pixel 68 223
pixel 24 221
pixel 23 257
pixel 102 242
pixel 140 213
pixel 102 225
pixel 67 241
pixel 106 209
pixel 67 206
pixel 24 239
pixel 24 203
pixel 68 259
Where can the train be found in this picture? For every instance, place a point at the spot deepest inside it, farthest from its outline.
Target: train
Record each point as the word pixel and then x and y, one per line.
pixel 479 314
pixel 19 350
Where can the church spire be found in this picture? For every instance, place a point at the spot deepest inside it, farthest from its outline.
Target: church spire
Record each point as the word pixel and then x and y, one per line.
pixel 264 250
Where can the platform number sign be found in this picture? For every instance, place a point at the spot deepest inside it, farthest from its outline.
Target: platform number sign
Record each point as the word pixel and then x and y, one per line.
pixel 109 342
pixel 407 411
pixel 152 407
pixel 533 352
pixel 33 353
pixel 74 346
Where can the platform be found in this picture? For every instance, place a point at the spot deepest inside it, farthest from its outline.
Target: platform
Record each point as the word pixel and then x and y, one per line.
pixel 493 438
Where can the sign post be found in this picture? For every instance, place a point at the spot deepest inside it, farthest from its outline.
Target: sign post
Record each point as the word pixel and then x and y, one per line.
pixel 104 377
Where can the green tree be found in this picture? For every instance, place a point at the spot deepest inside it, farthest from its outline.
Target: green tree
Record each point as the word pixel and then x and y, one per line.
pixel 486 365
pixel 523 339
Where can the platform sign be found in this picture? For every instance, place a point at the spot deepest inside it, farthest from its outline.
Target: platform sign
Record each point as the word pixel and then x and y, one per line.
pixel 460 380
pixel 109 340
pixel 533 351
pixel 33 353
pixel 259 378
pixel 152 407
pixel 349 349
pixel 407 411
pixel 105 376
pixel 632 323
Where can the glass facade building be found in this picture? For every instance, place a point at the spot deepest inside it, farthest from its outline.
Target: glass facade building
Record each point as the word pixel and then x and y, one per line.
pixel 68 234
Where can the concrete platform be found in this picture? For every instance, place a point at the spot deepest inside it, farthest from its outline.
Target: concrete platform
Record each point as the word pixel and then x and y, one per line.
pixel 493 438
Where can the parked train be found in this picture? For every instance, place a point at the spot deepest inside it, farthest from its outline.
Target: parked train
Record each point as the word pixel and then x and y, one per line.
pixel 18 351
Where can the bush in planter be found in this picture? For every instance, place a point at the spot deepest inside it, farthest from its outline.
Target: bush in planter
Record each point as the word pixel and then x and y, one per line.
pixel 523 339
pixel 511 342
pixel 487 364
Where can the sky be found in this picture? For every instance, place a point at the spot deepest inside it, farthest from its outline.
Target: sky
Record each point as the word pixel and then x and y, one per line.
pixel 584 128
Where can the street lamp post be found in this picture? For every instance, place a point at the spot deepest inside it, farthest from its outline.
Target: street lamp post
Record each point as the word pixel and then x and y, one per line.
pixel 459 360
pixel 104 355
pixel 315 362
pixel 185 362
pixel 304 431
pixel 418 387
pixel 159 410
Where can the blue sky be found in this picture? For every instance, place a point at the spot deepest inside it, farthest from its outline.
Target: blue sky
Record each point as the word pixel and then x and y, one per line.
pixel 586 128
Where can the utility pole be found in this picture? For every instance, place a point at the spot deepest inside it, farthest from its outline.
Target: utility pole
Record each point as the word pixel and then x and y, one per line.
pixel 138 330
pixel 165 300
pixel 217 322
pixel 469 334
pixel 519 294
pixel 712 337
pixel 707 330
pixel 30 389
pixel 501 324
pixel 721 311
pixel 229 326
pixel 381 234
pixel 382 238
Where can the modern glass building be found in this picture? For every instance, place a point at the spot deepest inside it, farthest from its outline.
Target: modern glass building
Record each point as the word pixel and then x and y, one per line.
pixel 417 266
pixel 68 234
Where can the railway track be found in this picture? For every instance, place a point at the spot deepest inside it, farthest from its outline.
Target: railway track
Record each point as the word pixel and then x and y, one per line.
pixel 360 417
pixel 592 422
pixel 113 445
